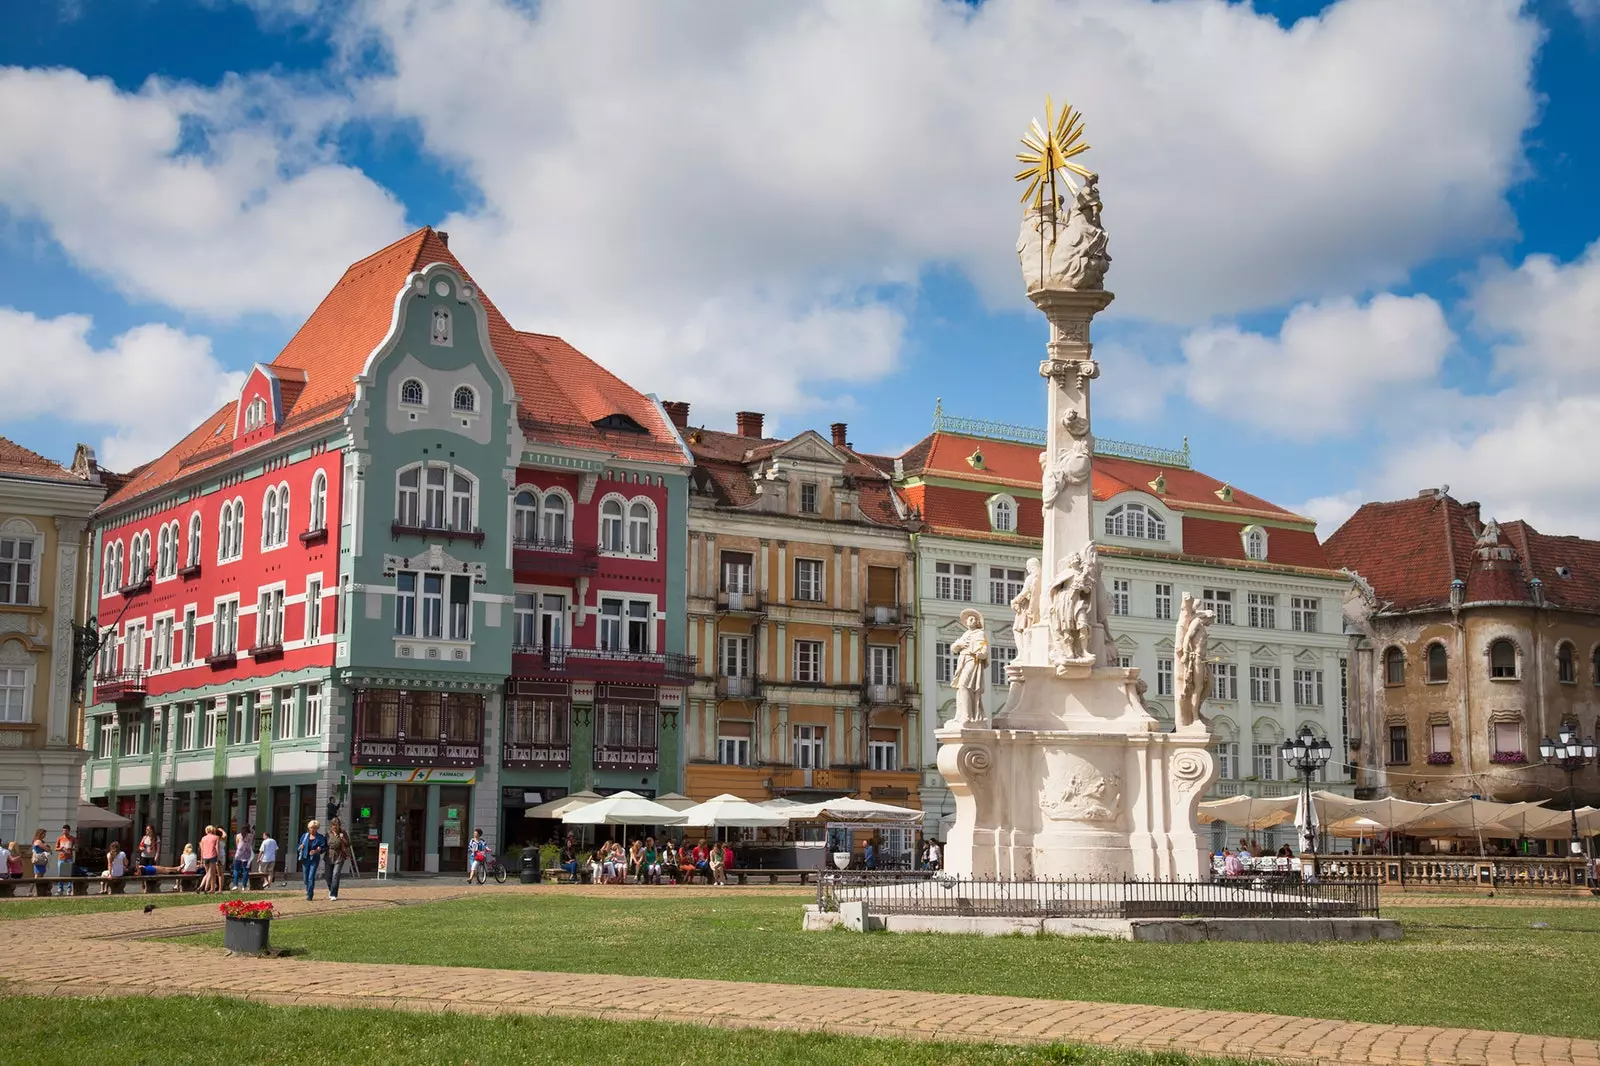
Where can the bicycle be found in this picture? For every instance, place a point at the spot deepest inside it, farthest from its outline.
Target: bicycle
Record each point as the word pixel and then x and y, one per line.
pixel 491 865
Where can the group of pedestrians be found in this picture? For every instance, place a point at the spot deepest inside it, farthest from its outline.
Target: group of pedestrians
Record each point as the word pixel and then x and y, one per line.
pixel 38 856
pixel 327 852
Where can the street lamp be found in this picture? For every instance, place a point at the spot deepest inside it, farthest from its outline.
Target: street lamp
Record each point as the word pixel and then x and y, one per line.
pixel 1572 755
pixel 1307 754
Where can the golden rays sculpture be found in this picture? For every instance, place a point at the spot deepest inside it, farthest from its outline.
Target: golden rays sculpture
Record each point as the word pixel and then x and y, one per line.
pixel 1050 150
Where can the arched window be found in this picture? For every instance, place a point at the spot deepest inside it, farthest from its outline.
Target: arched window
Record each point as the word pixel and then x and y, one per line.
pixel 441 326
pixel 611 526
pixel 269 519
pixel 461 500
pixel 1394 667
pixel 116 565
pixel 1438 662
pixel 283 515
pixel 163 550
pixel 412 393
pixel 1255 543
pixel 465 399
pixel 1135 520
pixel 194 539
pixel 641 540
pixel 139 558
pixel 408 497
pixel 525 517
pixel 319 502
pixel 255 415
pixel 108 576
pixel 555 518
pixel 1502 659
pixel 224 532
pixel 1005 516
pixel 1566 669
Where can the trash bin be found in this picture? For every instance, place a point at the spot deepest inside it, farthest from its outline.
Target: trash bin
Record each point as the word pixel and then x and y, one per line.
pixel 531 873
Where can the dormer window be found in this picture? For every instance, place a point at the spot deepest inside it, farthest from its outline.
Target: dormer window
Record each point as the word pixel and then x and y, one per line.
pixel 619 422
pixel 1136 521
pixel 255 415
pixel 412 393
pixel 465 400
pixel 1255 542
pixel 441 326
pixel 1002 514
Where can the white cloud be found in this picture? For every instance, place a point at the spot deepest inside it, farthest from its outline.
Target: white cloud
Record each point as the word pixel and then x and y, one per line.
pixel 1544 316
pixel 1332 366
pixel 1330 511
pixel 147 384
pixel 756 160
pixel 215 201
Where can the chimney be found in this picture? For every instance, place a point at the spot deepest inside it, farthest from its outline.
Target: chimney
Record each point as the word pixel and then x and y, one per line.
pixel 678 412
pixel 838 435
pixel 444 238
pixel 750 423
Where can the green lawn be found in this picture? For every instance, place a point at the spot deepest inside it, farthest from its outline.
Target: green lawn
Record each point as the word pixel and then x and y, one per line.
pixel 174 1031
pixel 40 908
pixel 1478 967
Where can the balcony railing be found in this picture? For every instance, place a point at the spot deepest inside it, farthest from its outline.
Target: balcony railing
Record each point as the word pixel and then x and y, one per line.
pixel 398 529
pixel 314 536
pixel 554 557
pixel 136 587
pixel 222 660
pixel 736 688
pixel 607 758
pixel 271 650
pixel 599 664
pixel 402 750
pixel 1477 871
pixel 885 695
pixel 125 687
pixel 740 603
pixel 884 614
pixel 536 756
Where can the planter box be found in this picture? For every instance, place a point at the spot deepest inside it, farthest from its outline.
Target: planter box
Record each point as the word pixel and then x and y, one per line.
pixel 246 936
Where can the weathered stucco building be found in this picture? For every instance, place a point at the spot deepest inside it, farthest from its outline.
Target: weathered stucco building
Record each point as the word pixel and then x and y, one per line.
pixel 1474 640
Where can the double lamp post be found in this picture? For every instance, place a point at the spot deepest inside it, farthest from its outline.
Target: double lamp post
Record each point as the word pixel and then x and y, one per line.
pixel 1306 754
pixel 1572 755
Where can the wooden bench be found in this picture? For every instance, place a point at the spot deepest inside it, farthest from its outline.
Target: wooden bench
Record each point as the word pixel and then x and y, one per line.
pixel 559 875
pixel 803 874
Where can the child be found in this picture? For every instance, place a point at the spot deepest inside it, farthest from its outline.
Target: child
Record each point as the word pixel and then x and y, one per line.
pixel 268 862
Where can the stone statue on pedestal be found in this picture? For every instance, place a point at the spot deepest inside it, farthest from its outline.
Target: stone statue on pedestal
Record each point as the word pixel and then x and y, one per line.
pixel 1062 244
pixel 1192 682
pixel 972 658
pixel 1072 615
pixel 1025 604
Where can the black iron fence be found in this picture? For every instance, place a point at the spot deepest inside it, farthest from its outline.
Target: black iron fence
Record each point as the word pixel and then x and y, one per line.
pixel 1266 896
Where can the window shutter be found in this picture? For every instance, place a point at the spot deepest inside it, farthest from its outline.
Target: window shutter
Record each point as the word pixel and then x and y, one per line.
pixel 882 586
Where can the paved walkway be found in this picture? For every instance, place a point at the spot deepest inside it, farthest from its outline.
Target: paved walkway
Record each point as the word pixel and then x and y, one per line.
pixel 67 955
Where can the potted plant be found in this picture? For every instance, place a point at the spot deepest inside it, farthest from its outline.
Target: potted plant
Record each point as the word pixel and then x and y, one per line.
pixel 249 924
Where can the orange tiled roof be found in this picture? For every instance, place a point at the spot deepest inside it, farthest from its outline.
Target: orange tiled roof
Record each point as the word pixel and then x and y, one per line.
pixel 722 466
pixel 1410 552
pixel 561 391
pixel 17 461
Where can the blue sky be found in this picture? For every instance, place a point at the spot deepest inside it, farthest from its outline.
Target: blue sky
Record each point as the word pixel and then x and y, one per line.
pixel 1351 241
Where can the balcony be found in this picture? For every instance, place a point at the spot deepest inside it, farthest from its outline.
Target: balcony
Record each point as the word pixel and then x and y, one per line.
pixel 886 695
pixel 127 687
pixel 535 757
pixel 591 664
pixel 399 529
pixel 314 536
pixel 222 660
pixel 554 557
pixel 142 585
pixel 192 570
pixel 740 603
pixel 607 758
pixel 263 652
pixel 736 688
pixel 890 614
pixel 402 750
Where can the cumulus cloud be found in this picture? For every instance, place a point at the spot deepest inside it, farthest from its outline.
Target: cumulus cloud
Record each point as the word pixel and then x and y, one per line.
pixel 139 387
pixel 1543 317
pixel 215 201
pixel 1332 366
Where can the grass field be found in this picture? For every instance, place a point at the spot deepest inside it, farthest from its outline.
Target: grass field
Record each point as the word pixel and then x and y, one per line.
pixel 176 1031
pixel 1455 967
pixel 13 909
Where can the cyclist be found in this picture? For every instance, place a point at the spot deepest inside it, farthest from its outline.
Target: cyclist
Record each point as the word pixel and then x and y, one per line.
pixel 477 854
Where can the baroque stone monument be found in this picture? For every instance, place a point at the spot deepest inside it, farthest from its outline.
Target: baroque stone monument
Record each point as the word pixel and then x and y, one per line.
pixel 1072 777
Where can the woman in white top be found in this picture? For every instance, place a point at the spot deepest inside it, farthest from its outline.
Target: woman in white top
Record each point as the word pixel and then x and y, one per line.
pixel 116 861
pixel 189 862
pixel 267 864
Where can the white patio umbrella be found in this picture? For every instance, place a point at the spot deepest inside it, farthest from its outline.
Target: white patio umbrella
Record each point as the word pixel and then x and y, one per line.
pixel 557 807
pixel 623 808
pixel 676 800
pixel 780 803
pixel 1250 812
pixel 730 810
pixel 846 809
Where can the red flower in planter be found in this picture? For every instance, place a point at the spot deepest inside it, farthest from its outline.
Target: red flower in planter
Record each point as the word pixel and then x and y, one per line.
pixel 240 908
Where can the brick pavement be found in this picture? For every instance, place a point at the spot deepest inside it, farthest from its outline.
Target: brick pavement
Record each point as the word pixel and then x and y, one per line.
pixel 66 955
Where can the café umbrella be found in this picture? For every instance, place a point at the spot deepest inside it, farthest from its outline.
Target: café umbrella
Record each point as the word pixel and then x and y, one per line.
pixel 557 807
pixel 727 811
pixel 623 808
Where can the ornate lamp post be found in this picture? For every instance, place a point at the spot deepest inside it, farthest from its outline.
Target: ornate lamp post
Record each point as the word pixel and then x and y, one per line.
pixel 1572 755
pixel 1307 754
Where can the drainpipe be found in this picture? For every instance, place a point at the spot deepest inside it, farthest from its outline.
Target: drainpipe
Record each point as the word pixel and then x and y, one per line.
pixel 1536 587
pixel 1458 591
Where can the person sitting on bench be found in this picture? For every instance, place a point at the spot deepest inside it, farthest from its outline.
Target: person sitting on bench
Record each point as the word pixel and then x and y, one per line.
pixel 116 861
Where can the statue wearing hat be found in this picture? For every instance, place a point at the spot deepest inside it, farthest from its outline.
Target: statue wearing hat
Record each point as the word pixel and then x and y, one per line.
pixel 972 656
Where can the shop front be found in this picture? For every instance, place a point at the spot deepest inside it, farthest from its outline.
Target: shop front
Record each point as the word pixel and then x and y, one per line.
pixel 422 814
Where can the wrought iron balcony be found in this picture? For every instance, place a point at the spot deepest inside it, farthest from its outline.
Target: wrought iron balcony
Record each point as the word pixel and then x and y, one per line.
pixel 136 587
pixel 608 758
pixel 601 664
pixel 398 529
pixel 272 650
pixel 885 695
pixel 222 660
pixel 536 756
pixel 192 570
pixel 314 536
pixel 554 557
pixel 737 688
pixel 740 603
pixel 129 686
pixel 886 615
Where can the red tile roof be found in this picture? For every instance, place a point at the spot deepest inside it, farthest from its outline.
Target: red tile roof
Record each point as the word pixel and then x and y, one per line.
pixel 17 461
pixel 561 391
pixel 1410 552
pixel 723 461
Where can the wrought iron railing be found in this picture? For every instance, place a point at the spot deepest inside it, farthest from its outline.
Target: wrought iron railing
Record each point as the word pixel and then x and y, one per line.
pixel 603 664
pixel 941 894
pixel 116 688
pixel 1032 435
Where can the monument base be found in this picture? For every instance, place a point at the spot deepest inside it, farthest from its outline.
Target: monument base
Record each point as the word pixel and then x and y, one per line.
pixel 1073 780
pixel 1146 930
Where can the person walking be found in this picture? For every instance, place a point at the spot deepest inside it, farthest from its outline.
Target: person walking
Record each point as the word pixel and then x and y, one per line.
pixel 477 854
pixel 267 858
pixel 313 845
pixel 339 849
pixel 933 855
pixel 244 847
